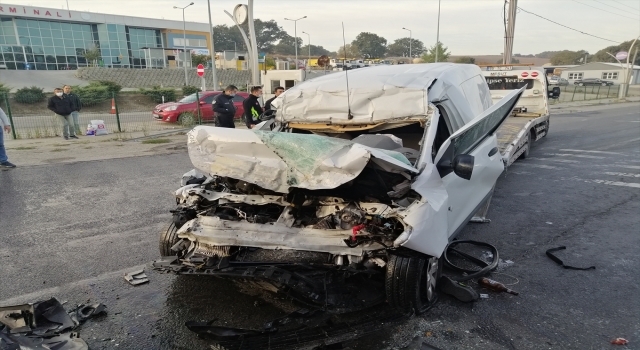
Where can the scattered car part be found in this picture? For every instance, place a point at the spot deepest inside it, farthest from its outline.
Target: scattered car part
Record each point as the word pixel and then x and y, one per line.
pixel 457 290
pixel 495 286
pixel 559 262
pixel 137 277
pixel 84 312
pixel 619 341
pixel 470 274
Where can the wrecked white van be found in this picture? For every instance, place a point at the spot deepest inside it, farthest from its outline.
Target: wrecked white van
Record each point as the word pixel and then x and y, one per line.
pixel 349 197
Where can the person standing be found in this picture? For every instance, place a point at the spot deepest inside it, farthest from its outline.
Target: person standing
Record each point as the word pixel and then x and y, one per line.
pixel 6 127
pixel 61 106
pixel 268 110
pixel 76 106
pixel 224 109
pixel 252 108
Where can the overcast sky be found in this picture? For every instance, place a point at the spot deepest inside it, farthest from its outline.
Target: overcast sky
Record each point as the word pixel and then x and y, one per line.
pixel 467 27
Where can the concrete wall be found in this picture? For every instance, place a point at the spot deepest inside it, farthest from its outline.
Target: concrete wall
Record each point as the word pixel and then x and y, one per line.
pixel 138 78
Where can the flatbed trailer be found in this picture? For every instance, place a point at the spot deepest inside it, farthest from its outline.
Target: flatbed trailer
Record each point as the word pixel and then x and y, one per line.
pixel 517 135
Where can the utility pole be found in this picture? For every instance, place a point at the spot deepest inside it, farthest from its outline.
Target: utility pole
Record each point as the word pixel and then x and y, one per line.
pixel 214 78
pixel 438 33
pixel 295 34
pixel 184 38
pixel 308 45
pixel 410 39
pixel 510 19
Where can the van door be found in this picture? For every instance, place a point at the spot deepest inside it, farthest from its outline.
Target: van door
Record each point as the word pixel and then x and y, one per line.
pixel 478 140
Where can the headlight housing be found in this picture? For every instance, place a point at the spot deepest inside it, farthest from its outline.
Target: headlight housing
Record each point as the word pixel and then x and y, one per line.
pixel 171 108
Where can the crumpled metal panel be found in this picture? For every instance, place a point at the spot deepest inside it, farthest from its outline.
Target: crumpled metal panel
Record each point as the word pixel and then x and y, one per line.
pixel 279 161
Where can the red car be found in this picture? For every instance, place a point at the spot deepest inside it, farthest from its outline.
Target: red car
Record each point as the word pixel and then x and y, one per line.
pixel 186 108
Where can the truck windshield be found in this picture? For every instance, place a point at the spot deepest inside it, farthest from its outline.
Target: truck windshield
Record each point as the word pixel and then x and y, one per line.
pixel 508 83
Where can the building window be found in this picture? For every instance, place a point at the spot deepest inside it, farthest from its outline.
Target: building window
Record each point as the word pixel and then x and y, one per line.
pixel 573 76
pixel 610 75
pixel 179 42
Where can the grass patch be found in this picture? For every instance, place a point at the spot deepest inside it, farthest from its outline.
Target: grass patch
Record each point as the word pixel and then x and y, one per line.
pixel 22 148
pixel 59 149
pixel 154 141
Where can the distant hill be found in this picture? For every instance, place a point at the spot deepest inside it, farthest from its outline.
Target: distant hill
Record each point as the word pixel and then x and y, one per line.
pixel 493 59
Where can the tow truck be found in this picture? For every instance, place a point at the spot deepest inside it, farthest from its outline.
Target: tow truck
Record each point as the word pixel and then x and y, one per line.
pixel 529 120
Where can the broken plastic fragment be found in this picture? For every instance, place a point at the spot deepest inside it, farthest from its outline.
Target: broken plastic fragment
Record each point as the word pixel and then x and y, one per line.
pixel 619 341
pixel 136 277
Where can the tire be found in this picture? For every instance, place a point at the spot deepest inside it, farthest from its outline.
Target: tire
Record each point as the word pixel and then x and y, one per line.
pixel 168 238
pixel 548 127
pixel 410 282
pixel 604 84
pixel 187 119
pixel 526 152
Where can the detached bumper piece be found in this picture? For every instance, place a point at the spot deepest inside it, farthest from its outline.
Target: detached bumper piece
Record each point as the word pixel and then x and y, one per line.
pixel 302 329
pixel 320 286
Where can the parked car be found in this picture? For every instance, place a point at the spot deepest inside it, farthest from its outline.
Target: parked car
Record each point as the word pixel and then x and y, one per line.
pixel 339 203
pixel 593 81
pixel 558 81
pixel 186 108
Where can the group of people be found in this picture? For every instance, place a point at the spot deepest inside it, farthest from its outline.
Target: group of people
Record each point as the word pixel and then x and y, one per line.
pixel 225 110
pixel 65 104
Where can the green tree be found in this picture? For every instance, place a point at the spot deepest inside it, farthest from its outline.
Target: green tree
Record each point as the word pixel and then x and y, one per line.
pixel 315 50
pixel 267 34
pixel 227 38
pixel 370 45
pixel 92 55
pixel 465 59
pixel 200 59
pixel 568 57
pixel 602 56
pixel 400 48
pixel 352 51
pixel 286 46
pixel 430 55
pixel 546 54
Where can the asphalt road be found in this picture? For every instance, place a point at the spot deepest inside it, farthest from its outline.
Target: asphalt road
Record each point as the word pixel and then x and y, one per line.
pixel 72 231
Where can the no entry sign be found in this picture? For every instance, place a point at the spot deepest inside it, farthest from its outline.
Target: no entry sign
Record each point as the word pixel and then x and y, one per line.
pixel 200 70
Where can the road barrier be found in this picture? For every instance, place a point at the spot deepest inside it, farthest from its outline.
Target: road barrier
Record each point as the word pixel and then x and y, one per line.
pixel 570 93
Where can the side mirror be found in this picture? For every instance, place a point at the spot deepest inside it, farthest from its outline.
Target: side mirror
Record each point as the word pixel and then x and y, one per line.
pixel 463 166
pixel 555 92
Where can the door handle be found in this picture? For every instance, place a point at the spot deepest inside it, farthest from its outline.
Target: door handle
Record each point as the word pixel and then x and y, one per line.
pixel 493 151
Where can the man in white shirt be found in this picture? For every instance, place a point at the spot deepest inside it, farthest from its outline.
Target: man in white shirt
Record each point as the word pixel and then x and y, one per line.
pixel 6 127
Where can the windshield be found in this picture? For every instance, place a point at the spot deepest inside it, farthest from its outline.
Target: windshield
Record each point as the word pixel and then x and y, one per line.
pixel 508 83
pixel 188 99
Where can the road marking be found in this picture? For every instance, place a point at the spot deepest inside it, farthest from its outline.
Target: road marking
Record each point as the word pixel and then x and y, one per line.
pixel 573 155
pixel 538 165
pixel 557 160
pixel 581 150
pixel 617 183
pixel 622 174
pixel 630 166
pixel 620 143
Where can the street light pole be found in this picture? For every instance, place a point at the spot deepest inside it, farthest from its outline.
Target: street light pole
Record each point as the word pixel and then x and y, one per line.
pixel 309 45
pixel 184 42
pixel 438 33
pixel 410 39
pixel 295 33
pixel 214 77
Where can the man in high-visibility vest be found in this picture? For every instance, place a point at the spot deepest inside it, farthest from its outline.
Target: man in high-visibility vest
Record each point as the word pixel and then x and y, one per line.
pixel 252 108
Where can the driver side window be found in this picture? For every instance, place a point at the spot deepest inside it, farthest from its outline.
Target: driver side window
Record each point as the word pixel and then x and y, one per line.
pixel 442 133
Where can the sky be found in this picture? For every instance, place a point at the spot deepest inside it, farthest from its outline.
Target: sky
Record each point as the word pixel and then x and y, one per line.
pixel 467 27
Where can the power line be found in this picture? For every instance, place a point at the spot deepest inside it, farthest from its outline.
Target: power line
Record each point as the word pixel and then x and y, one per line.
pixel 597 8
pixel 617 8
pixel 562 25
pixel 625 5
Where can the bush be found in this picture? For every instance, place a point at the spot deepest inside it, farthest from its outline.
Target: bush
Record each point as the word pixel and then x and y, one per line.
pixel 92 94
pixel 157 92
pixel 189 89
pixel 113 87
pixel 32 94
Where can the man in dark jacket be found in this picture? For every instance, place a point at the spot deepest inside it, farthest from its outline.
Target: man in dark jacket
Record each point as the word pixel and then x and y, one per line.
pixel 252 108
pixel 76 106
pixel 224 109
pixel 61 106
pixel 268 110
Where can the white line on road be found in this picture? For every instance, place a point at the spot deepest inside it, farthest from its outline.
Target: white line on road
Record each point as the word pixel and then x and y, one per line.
pixel 556 160
pixel 629 166
pixel 620 143
pixel 582 150
pixel 572 155
pixel 622 174
pixel 617 183
pixel 538 165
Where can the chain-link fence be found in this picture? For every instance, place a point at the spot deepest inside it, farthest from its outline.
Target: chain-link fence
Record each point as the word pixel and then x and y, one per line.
pixel 120 113
pixel 570 93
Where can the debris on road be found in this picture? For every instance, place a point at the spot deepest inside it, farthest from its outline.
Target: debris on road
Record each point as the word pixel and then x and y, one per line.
pixel 44 325
pixel 458 290
pixel 136 277
pixel 495 286
pixel 559 262
pixel 619 341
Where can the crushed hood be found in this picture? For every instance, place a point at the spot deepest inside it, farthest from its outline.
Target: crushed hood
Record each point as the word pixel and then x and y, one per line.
pixel 279 161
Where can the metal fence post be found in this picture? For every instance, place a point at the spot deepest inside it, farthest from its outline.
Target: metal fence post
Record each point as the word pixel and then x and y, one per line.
pixel 574 93
pixel 598 93
pixel 13 128
pixel 198 104
pixel 608 91
pixel 115 102
pixel 585 93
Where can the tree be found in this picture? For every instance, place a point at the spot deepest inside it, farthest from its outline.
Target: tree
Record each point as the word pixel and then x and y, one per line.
pixel 568 57
pixel 200 59
pixel 602 56
pixel 370 45
pixel 228 38
pixel 352 51
pixel 286 45
pixel 400 48
pixel 546 54
pixel 92 55
pixel 465 59
pixel 513 61
pixel 430 55
pixel 267 34
pixel 315 50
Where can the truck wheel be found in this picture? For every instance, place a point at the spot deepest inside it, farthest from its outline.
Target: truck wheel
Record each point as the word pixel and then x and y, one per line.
pixel 168 238
pixel 527 150
pixel 548 127
pixel 411 282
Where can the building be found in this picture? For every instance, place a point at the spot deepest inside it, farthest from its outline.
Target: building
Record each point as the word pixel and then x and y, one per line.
pixel 54 39
pixel 601 70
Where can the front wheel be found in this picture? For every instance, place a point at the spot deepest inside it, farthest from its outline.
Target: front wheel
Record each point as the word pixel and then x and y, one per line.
pixel 410 282
pixel 168 238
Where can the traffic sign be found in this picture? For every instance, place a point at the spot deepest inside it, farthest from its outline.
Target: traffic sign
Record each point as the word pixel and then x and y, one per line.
pixel 200 70
pixel 622 55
